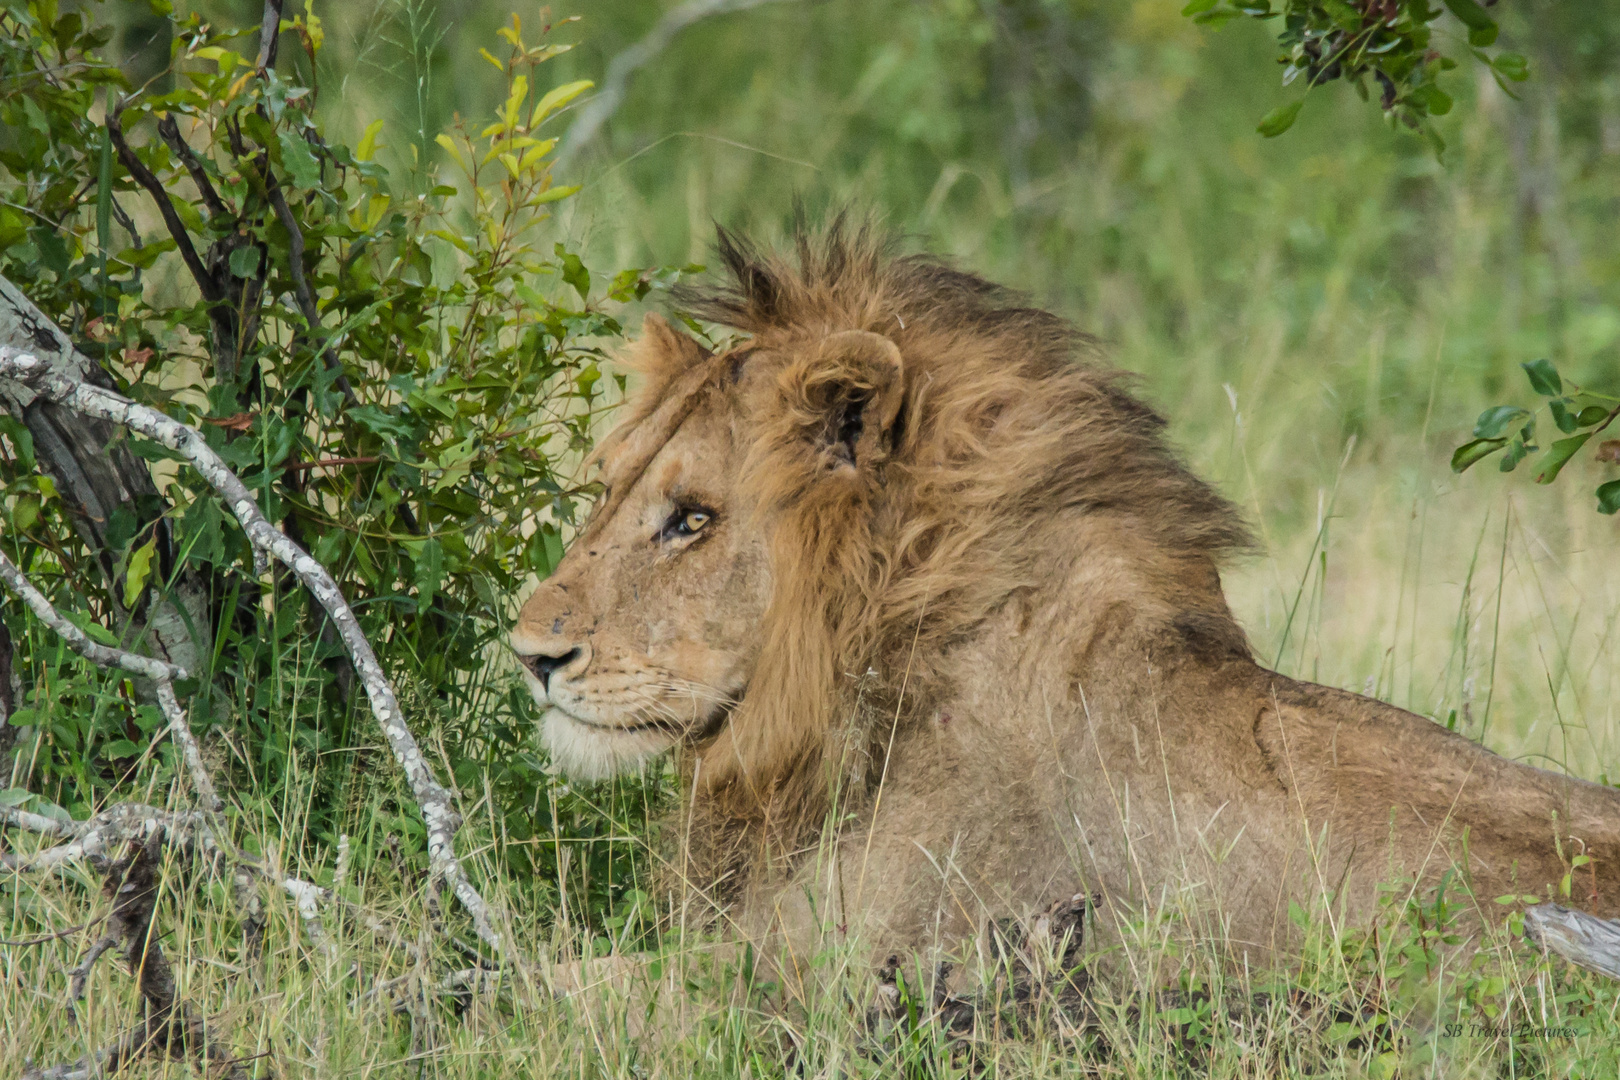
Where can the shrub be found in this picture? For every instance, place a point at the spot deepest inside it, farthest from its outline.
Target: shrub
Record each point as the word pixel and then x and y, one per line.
pixel 404 363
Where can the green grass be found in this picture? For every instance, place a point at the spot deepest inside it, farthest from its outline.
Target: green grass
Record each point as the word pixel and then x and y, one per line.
pixel 1320 316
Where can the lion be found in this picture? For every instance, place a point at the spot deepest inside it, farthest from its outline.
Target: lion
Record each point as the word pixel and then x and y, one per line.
pixel 931 616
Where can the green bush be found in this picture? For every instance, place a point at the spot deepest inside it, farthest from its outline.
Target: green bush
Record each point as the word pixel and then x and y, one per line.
pixel 401 360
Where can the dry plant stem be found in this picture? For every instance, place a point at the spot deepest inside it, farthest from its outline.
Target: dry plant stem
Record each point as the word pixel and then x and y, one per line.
pixel 433 798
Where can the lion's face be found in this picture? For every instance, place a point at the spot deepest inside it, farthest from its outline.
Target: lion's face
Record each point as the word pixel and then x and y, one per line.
pixel 644 635
pixel 655 622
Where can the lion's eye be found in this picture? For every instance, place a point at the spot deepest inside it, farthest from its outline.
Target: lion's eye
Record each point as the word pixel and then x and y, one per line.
pixel 684 522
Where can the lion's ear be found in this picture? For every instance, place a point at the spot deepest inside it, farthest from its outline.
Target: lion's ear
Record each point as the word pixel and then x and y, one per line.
pixel 857 381
pixel 664 351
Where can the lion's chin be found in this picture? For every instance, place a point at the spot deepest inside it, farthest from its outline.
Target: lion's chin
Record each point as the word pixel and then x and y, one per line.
pixel 588 752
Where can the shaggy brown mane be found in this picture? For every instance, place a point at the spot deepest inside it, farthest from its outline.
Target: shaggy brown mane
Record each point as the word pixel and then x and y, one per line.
pixel 1007 421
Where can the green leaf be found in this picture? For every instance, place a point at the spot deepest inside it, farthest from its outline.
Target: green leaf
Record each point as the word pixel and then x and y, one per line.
pixel 1493 421
pixel 1470 14
pixel 1558 456
pixel 140 568
pixel 378 422
pixel 1544 378
pixel 1592 414
pixel 1608 497
pixel 1511 66
pixel 299 161
pixel 1280 119
pixel 1566 420
pixel 551 195
pixel 1198 7
pixel 429 572
pixel 1470 453
pixel 245 261
pixel 25 513
pixel 574 273
pixel 560 96
pixel 1342 13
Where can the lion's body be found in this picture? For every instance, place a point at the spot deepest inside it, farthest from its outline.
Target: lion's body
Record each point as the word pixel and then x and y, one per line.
pixel 903 575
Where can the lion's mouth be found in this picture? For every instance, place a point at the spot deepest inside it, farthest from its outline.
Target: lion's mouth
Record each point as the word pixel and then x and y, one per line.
pixel 669 726
pixel 703 730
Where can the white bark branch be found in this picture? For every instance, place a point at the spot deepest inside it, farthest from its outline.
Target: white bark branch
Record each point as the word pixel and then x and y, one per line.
pixel 433 799
pixel 160 672
pixel 96 477
pixel 1582 939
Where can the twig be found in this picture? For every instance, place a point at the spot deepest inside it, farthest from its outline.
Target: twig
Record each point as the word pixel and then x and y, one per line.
pixel 171 217
pixel 170 131
pixel 298 466
pixel 80 973
pixel 21 943
pixel 432 798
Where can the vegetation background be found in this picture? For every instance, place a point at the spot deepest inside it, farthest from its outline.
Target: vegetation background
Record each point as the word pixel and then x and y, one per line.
pixel 1321 316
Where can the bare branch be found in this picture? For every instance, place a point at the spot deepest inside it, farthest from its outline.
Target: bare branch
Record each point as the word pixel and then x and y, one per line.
pixel 170 130
pixel 66 931
pixel 78 640
pixel 434 800
pixel 1582 939
pixel 269 34
pixel 171 217
pixel 80 973
pixel 97 475
pixel 96 838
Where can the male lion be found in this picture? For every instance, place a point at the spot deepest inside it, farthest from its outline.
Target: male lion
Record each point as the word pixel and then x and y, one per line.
pixel 933 620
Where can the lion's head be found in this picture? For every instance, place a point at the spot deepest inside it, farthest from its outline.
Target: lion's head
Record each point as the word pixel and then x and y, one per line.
pixel 867 477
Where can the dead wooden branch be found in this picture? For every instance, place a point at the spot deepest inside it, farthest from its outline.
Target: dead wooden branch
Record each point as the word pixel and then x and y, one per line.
pixel 97 475
pixel 168 1024
pixel 1584 940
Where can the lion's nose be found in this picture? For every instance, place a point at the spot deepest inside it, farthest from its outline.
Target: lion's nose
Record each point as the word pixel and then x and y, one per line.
pixel 543 666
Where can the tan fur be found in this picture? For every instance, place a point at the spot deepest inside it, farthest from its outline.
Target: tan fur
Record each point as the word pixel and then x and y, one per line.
pixel 957 590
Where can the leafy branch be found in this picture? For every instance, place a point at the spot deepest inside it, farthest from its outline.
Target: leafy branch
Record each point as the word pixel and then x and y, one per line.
pixel 1385 45
pixel 1578 413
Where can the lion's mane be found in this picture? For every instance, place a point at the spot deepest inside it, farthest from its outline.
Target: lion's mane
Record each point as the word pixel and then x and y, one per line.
pixel 1008 420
